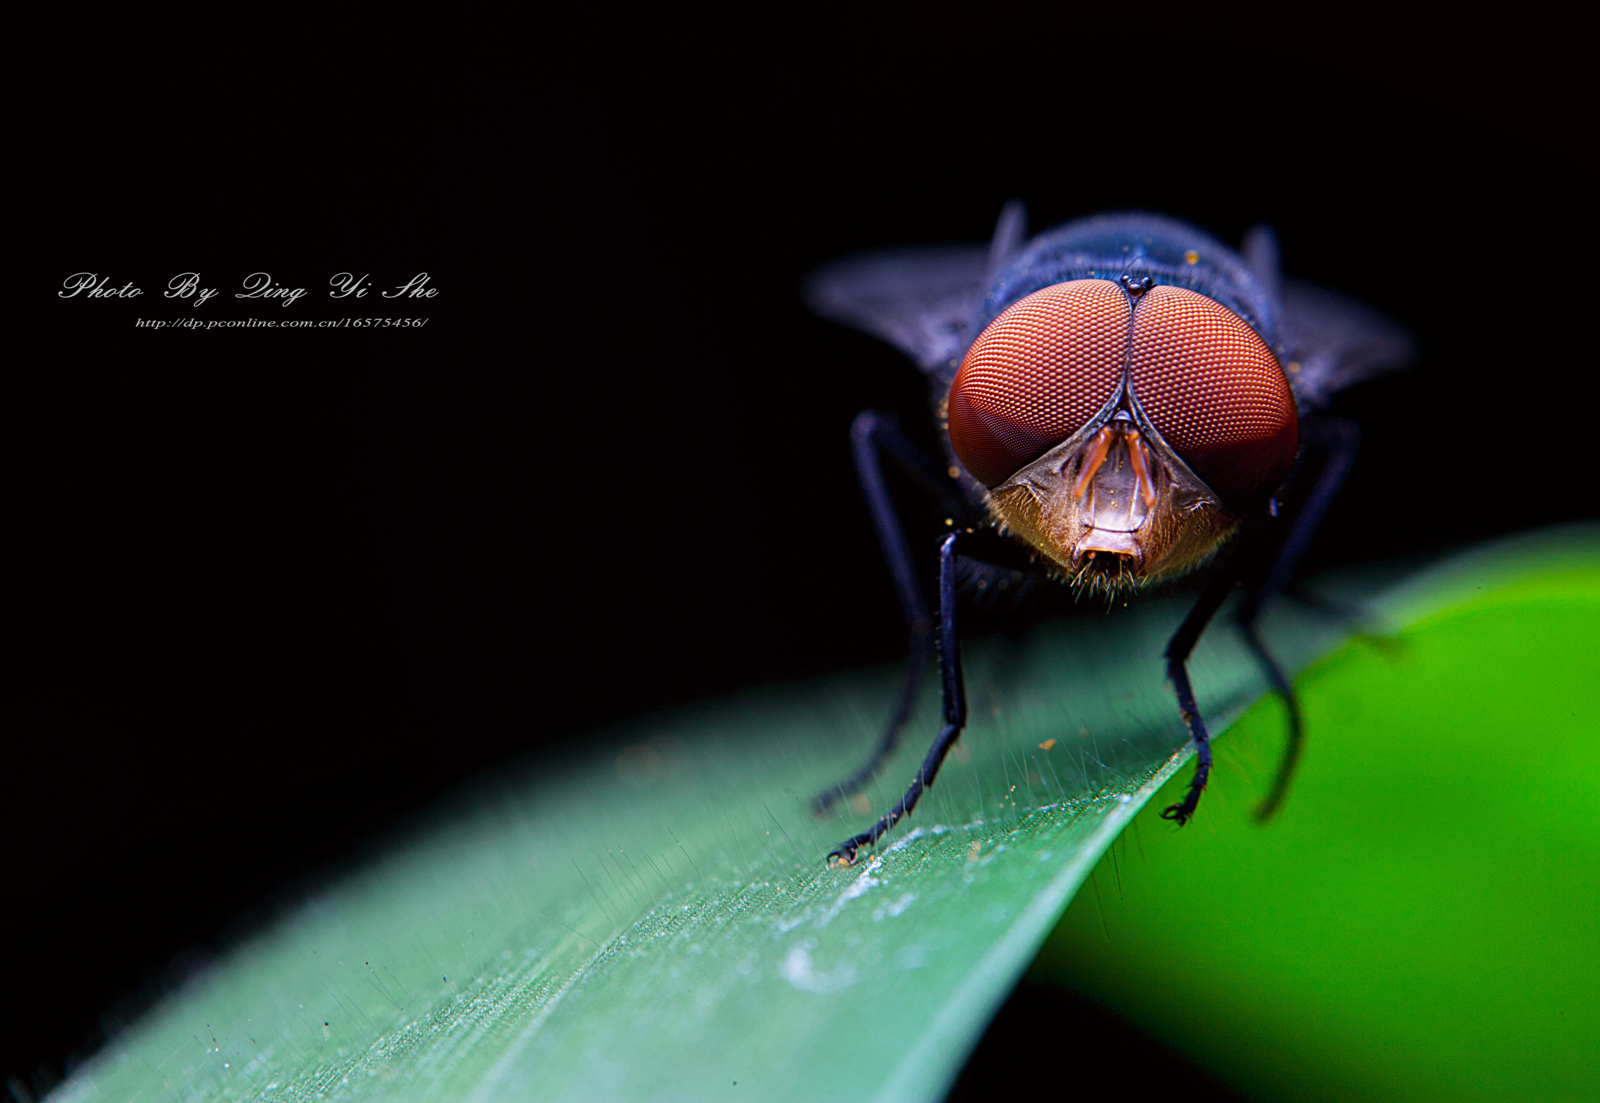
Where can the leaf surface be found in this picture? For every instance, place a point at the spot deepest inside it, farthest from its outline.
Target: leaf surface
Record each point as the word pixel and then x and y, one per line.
pixel 655 921
pixel 1420 922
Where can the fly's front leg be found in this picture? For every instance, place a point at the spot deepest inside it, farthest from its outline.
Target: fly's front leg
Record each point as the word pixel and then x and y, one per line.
pixel 1333 445
pixel 1266 566
pixel 954 696
pixel 1177 655
pixel 870 436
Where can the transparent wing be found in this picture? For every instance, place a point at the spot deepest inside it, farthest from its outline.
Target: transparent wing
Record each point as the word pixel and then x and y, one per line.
pixel 1339 341
pixel 923 300
pixel 1335 341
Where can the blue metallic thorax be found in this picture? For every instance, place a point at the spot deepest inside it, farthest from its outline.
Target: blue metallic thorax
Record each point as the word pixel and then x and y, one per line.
pixel 1107 247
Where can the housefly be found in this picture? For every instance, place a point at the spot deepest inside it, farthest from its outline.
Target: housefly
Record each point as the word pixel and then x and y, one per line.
pixel 1121 400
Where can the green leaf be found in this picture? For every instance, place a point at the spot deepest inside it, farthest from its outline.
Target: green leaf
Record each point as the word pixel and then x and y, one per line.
pixel 1421 921
pixel 656 920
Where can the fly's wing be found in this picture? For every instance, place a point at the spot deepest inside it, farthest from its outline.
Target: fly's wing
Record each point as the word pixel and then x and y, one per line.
pixel 922 300
pixel 1336 341
pixel 1339 341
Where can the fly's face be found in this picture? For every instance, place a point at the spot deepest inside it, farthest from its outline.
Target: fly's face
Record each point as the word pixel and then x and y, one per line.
pixel 1122 430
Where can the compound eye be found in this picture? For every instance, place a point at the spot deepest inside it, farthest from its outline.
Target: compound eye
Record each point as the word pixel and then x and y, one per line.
pixel 1036 374
pixel 1215 392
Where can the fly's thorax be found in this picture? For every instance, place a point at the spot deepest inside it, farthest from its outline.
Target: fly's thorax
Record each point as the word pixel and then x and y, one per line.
pixel 1113 507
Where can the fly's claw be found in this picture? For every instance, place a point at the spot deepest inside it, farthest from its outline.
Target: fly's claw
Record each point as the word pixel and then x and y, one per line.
pixel 1179 813
pixel 844 854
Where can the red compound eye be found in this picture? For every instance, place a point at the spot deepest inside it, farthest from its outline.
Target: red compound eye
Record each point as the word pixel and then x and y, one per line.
pixel 1036 373
pixel 1214 391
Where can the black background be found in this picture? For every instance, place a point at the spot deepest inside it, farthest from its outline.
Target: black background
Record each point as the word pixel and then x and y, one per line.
pixel 281 592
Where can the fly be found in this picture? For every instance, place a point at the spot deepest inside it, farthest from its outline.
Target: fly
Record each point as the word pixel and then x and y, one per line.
pixel 1123 401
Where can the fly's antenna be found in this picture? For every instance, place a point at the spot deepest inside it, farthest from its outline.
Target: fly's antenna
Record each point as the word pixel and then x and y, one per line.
pixel 1134 285
pixel 1135 277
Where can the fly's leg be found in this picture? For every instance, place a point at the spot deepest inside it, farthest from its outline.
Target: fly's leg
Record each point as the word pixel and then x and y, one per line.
pixel 954 695
pixel 910 686
pixel 1291 751
pixel 1270 566
pixel 1177 654
pixel 871 435
pixel 1336 441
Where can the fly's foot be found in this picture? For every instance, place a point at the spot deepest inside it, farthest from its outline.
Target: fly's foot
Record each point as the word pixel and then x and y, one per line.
pixel 845 853
pixel 1181 812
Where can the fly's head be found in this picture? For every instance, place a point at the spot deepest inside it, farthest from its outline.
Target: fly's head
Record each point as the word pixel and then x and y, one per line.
pixel 1122 431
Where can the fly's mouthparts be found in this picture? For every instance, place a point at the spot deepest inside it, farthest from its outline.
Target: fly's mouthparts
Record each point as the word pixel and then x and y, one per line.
pixel 1120 544
pixel 1117 489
